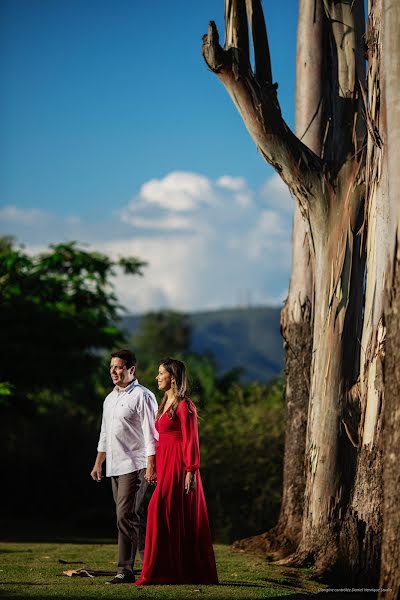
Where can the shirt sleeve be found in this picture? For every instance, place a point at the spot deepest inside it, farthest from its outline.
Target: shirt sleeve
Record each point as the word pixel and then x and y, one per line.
pixel 102 445
pixel 190 435
pixel 147 411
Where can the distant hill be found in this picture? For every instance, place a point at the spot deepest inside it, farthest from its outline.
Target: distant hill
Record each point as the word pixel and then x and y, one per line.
pixel 248 338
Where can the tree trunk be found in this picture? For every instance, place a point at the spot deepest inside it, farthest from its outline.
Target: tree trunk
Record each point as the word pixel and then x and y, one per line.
pixel 362 525
pixel 296 316
pixel 390 568
pixel 354 410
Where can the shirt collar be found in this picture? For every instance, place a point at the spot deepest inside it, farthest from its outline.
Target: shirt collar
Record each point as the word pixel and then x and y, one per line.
pixel 127 388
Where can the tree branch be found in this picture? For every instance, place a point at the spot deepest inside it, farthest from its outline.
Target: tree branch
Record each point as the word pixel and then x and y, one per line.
pixel 347 67
pixel 237 36
pixel 256 99
pixel 262 58
pixel 310 71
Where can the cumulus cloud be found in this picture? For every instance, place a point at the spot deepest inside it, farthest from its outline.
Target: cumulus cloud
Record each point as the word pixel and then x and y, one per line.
pixel 208 243
pixel 242 195
pixel 235 184
pixel 177 191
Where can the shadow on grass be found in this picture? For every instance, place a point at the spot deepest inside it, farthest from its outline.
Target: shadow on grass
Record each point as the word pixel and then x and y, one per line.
pixel 242 584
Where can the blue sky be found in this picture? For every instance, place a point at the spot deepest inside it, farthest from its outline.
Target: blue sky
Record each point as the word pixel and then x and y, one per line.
pixel 114 133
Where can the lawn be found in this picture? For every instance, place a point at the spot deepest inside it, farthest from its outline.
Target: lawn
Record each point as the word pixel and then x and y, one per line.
pixel 30 570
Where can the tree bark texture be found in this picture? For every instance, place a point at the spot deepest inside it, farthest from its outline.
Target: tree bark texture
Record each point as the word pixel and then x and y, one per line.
pixel 390 561
pixel 343 169
pixel 361 533
pixel 296 316
pixel 329 189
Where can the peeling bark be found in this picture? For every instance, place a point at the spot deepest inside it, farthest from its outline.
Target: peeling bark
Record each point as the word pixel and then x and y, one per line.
pixel 361 535
pixel 345 178
pixel 329 190
pixel 296 316
pixel 390 568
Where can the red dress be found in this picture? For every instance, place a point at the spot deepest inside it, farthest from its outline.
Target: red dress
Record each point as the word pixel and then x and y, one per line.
pixel 178 545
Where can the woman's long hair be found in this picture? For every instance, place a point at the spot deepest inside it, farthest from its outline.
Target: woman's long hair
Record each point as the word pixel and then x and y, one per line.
pixel 180 387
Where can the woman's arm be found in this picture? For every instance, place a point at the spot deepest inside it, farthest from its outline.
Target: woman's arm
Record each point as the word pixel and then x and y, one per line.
pixel 190 436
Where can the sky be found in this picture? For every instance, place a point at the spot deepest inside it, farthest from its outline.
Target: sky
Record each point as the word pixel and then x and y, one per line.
pixel 114 133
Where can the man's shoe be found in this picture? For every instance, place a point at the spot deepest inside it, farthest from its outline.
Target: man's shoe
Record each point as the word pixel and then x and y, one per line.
pixel 122 578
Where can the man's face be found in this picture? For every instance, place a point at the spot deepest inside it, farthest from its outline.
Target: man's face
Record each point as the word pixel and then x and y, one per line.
pixel 120 375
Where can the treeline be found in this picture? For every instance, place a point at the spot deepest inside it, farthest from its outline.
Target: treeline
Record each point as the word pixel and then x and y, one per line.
pixel 57 315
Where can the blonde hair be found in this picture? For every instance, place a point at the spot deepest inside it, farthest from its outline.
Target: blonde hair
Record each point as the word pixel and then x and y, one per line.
pixel 177 370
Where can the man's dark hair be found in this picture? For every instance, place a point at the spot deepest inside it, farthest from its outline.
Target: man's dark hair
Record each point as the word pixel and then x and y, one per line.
pixel 126 355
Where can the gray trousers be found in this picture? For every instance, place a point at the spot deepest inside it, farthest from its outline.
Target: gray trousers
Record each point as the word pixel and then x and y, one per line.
pixel 128 491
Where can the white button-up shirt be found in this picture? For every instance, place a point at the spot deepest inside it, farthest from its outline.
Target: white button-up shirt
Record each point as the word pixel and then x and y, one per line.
pixel 128 434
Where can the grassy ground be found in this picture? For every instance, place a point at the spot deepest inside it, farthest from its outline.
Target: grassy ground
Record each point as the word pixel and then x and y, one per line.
pixel 30 570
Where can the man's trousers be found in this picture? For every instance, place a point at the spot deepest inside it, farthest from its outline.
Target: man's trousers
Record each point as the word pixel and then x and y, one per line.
pixel 128 491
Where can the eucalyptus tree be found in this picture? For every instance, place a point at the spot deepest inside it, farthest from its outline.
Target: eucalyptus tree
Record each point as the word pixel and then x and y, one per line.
pixel 335 169
pixel 390 557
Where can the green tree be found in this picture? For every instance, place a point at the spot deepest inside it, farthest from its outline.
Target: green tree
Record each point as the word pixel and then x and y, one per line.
pixel 58 313
pixel 162 333
pixel 241 428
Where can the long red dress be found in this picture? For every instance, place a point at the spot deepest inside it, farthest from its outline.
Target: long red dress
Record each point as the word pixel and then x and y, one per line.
pixel 178 545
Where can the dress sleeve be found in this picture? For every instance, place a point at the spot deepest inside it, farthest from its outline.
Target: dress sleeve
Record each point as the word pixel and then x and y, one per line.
pixel 190 435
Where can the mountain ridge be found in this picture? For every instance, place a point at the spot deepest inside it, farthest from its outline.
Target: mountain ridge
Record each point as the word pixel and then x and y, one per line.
pixel 246 338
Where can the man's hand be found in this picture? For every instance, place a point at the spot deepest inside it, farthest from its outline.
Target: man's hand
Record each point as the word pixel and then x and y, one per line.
pixel 151 476
pixel 96 472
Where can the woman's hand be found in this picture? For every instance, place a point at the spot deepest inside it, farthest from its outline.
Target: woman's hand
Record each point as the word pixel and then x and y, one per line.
pixel 190 482
pixel 150 475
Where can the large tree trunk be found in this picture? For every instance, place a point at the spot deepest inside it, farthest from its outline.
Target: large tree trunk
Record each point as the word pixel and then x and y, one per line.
pixel 390 558
pixel 296 328
pixel 390 569
pixel 329 189
pixel 362 525
pixel 296 316
pixel 338 276
pixel 354 409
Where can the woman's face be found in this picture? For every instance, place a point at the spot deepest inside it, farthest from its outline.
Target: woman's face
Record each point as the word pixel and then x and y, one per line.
pixel 163 379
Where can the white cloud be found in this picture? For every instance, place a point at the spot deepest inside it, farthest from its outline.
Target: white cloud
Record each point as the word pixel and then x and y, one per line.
pixel 277 195
pixel 167 222
pixel 32 216
pixel 208 243
pixel 175 268
pixel 178 191
pixel 242 195
pixel 268 240
pixel 235 184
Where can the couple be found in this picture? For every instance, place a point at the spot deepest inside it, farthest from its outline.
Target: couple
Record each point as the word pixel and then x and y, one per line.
pixel 176 548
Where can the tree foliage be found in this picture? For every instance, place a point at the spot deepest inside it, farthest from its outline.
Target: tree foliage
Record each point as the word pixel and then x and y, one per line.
pixel 59 316
pixel 58 313
pixel 241 428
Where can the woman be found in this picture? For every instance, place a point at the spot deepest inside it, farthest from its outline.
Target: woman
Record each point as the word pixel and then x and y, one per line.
pixel 178 545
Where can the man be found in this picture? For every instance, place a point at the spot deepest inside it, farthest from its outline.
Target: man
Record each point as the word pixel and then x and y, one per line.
pixel 127 443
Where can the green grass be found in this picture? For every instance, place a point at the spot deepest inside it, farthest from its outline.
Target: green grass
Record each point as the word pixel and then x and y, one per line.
pixel 35 571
